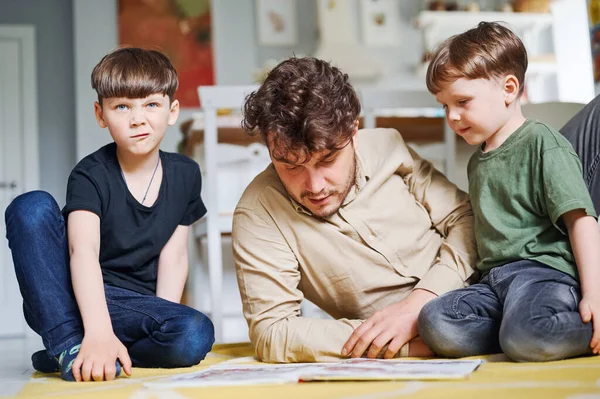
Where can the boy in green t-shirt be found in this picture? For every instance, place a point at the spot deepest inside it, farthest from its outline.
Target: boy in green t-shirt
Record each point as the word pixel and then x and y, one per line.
pixel 538 241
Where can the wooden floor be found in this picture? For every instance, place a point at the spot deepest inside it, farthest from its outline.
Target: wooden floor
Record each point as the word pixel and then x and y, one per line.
pixel 496 378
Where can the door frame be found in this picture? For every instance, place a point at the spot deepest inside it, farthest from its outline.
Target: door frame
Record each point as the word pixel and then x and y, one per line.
pixel 25 35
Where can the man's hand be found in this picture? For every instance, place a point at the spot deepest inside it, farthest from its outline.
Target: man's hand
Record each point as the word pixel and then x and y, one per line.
pixel 589 308
pixel 97 358
pixel 393 326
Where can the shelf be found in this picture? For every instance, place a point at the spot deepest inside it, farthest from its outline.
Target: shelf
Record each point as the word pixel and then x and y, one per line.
pixel 517 20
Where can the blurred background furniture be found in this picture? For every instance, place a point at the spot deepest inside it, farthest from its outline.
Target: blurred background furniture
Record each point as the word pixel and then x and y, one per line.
pixel 219 214
pixel 440 148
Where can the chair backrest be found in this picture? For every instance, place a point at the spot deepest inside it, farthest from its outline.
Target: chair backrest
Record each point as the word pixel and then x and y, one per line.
pixel 213 98
pixel 237 165
pixel 387 102
pixel 555 114
pixel 375 99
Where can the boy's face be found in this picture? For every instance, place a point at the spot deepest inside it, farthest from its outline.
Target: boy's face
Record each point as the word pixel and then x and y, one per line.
pixel 477 109
pixel 320 185
pixel 137 125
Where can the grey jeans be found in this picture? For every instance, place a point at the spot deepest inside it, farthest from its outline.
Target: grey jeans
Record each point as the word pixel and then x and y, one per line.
pixel 525 309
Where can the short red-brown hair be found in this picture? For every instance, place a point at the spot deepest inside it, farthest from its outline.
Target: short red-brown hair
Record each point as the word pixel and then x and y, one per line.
pixel 487 51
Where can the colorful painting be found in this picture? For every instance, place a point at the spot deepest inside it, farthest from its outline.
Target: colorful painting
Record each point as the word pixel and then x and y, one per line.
pixel 179 28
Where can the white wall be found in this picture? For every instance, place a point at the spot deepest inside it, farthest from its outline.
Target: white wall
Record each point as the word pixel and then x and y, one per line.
pixel 95 34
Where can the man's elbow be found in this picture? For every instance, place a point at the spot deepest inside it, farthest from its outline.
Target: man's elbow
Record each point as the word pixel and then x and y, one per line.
pixel 272 343
pixel 265 345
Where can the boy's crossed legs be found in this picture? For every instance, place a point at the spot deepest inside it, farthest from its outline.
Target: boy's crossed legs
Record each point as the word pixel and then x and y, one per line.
pixel 157 332
pixel 525 309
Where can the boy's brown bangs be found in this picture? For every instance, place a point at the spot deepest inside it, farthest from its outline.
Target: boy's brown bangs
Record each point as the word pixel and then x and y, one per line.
pixel 131 86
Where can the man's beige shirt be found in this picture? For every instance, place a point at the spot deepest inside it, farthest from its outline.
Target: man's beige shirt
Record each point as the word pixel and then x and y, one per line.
pixel 402 226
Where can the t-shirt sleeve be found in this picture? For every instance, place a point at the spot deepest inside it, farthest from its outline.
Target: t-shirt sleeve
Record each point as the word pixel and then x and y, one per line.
pixel 195 209
pixel 83 193
pixel 563 184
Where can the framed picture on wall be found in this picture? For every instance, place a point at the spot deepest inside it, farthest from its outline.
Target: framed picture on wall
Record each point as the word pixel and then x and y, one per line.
pixel 276 22
pixel 380 22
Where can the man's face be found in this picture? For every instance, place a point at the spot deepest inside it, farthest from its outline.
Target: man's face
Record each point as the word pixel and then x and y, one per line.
pixel 322 183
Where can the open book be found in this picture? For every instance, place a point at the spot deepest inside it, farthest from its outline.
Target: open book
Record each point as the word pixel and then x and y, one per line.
pixel 352 369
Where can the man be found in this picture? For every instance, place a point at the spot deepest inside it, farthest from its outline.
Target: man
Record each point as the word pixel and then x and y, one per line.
pixel 355 222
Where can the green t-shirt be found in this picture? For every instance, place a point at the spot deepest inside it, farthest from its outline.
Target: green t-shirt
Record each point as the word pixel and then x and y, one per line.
pixel 519 191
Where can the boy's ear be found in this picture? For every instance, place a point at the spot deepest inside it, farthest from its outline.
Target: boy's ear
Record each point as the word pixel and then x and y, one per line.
pixel 511 89
pixel 173 112
pixel 99 114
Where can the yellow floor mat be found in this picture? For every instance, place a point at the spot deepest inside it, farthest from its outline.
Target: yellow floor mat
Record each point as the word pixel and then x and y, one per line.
pixel 496 378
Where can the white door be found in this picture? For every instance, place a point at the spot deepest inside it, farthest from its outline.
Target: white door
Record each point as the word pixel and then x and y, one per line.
pixel 18 147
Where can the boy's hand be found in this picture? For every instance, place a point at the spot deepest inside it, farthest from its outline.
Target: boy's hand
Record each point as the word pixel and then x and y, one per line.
pixel 589 309
pixel 97 357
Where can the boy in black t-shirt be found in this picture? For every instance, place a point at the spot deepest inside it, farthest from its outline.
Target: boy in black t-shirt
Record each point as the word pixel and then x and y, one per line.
pixel 101 282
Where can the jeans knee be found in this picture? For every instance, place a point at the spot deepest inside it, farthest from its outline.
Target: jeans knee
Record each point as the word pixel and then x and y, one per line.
pixel 30 210
pixel 196 336
pixel 428 319
pixel 439 333
pixel 529 342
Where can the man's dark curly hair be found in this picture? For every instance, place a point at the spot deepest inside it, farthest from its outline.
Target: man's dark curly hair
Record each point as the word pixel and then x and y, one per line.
pixel 304 106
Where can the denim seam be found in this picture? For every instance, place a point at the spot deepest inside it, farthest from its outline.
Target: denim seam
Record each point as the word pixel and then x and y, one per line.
pixel 64 345
pixel 472 316
pixel 495 281
pixel 593 167
pixel 111 302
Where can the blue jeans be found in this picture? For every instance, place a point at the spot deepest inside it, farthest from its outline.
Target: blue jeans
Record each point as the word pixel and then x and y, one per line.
pixel 156 332
pixel 525 309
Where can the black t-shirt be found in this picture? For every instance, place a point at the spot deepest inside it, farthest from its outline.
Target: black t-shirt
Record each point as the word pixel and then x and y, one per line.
pixel 131 234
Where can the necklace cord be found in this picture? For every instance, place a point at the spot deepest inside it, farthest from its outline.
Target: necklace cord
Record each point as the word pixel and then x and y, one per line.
pixel 149 184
